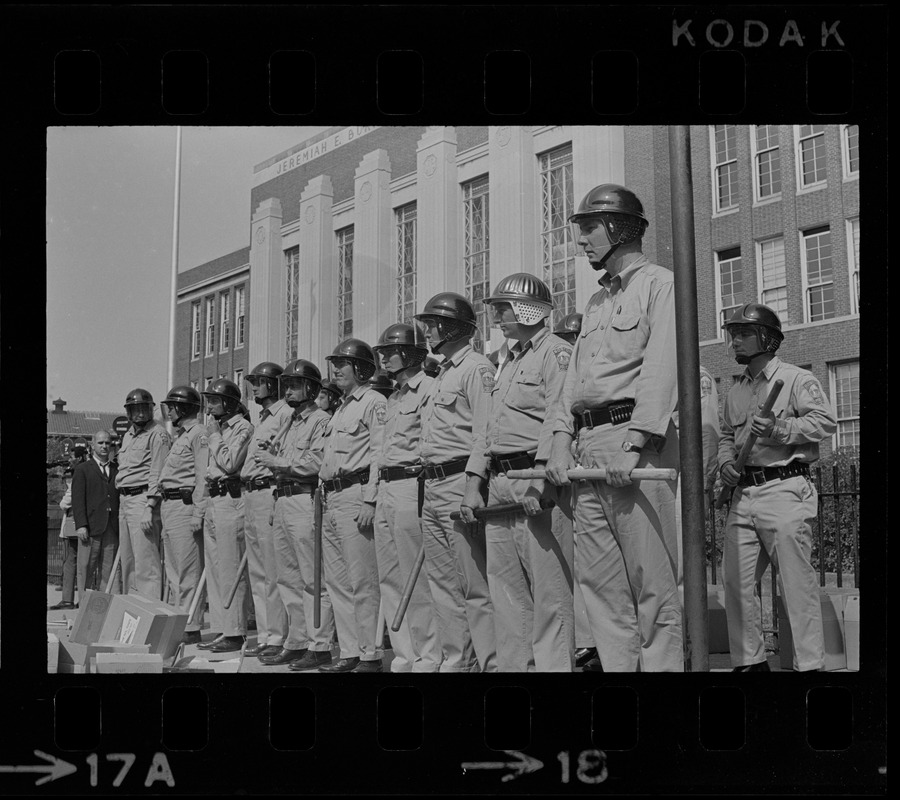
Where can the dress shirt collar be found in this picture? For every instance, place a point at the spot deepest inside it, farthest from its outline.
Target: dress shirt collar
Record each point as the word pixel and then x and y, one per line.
pixel 456 359
pixel 625 276
pixel 768 370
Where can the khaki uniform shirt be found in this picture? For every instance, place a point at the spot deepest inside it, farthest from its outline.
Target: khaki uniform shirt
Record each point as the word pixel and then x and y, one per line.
pixel 273 422
pixel 186 464
pixel 228 448
pixel 353 438
pixel 455 412
pixel 142 456
pixel 299 451
pixel 403 423
pixel 803 417
pixel 626 350
pixel 529 384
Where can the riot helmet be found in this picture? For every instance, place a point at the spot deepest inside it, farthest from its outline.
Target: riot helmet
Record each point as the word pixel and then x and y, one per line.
pixel 381 383
pixel 139 407
pixel 452 315
pixel 569 327
pixel 181 402
pixel 303 377
pixel 528 296
pixel 756 320
pixel 617 209
pixel 404 340
pixel 264 380
pixel 223 398
pixel 359 354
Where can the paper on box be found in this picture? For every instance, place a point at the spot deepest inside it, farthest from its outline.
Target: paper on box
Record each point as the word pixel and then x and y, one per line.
pixel 129 663
pixel 52 653
pixel 92 613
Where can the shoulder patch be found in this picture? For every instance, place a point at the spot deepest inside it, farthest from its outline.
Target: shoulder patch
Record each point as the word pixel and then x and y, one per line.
pixel 381 412
pixel 815 391
pixel 204 440
pixel 487 378
pixel 563 353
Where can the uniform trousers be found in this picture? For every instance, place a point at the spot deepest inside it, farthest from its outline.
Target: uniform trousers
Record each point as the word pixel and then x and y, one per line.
pixel 398 540
pixel 293 533
pixel 455 558
pixel 529 568
pixel 223 544
pixel 271 617
pixel 772 523
pixel 97 555
pixel 626 557
pixel 184 557
pixel 351 575
pixel 140 560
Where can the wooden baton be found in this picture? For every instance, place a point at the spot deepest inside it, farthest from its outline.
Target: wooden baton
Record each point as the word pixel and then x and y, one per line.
pixel 197 593
pixel 112 573
pixel 597 474
pixel 505 508
pixel 726 490
pixel 317 558
pixel 408 590
pixel 237 579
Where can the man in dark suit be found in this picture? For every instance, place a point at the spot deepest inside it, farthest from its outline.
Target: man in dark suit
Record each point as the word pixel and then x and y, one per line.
pixel 95 507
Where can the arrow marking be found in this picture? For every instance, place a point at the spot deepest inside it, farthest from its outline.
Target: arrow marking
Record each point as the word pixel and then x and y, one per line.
pixel 521 766
pixel 55 768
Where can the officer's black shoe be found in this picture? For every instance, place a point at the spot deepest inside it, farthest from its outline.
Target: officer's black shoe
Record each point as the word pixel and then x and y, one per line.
pixel 583 655
pixel 369 666
pixel 262 649
pixel 312 660
pixel 283 656
pixel 191 637
pixel 208 645
pixel 227 644
pixel 341 665
pixel 594 665
pixel 762 666
pixel 62 606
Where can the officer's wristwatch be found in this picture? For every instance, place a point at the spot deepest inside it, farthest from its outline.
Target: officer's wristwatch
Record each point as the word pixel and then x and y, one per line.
pixel 630 447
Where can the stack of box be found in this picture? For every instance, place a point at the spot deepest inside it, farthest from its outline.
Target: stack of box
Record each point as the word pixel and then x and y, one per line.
pixel 121 633
pixel 840 622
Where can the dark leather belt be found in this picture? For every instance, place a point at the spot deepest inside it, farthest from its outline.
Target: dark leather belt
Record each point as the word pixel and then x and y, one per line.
pixel 757 476
pixel 185 494
pixel 610 414
pixel 507 461
pixel 220 488
pixel 439 471
pixel 346 481
pixel 388 474
pixel 295 487
pixel 130 491
pixel 255 484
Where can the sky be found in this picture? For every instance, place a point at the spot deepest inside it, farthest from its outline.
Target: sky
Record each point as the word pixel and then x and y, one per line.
pixel 110 209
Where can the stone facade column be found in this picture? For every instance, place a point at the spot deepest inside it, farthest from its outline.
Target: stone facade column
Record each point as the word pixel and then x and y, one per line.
pixel 317 329
pixel 374 275
pixel 439 265
pixel 265 330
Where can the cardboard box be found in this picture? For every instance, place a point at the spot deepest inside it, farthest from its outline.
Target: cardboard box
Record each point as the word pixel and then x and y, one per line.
pixel 717 624
pixel 832 601
pixel 133 619
pixel 117 663
pixel 92 613
pixel 851 631
pixel 72 657
pixel 52 653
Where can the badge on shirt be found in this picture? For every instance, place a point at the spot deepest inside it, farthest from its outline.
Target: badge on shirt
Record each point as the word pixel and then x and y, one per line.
pixel 380 413
pixel 487 379
pixel 815 391
pixel 563 354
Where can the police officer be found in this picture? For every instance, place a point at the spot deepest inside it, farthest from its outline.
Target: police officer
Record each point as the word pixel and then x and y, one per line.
pixel 350 485
pixel 382 383
pixel 295 460
pixel 259 507
pixel 223 529
pixel 529 563
pixel 619 396
pixel 182 485
pixel 569 327
pixel 454 416
pixel 329 398
pixel 145 446
pixel 398 533
pixel 775 501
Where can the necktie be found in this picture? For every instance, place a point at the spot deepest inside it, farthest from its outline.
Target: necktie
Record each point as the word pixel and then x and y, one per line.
pixel 105 472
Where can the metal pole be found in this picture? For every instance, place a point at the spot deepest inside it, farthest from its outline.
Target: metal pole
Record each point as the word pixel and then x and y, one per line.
pixel 174 278
pixel 689 418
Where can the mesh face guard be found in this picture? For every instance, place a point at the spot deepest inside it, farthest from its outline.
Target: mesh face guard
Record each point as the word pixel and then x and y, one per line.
pixel 768 340
pixel 529 313
pixel 144 411
pixel 620 228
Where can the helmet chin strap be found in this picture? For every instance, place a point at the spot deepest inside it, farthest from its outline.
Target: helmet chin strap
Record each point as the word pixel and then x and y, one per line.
pixel 602 262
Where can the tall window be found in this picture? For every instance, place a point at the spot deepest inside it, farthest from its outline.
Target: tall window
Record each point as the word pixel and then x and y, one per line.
pixel 811 155
pixel 818 273
pixel 853 241
pixel 195 385
pixel 725 166
pixel 850 147
pixel 292 302
pixel 773 277
pixel 767 161
pixel 239 379
pixel 406 263
pixel 240 316
pixel 210 325
pixel 845 391
pixel 224 321
pixel 476 253
pixel 731 282
pixel 557 244
pixel 345 282
pixel 195 329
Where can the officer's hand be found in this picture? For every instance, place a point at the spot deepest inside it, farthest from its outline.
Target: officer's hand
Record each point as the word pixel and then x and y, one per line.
pixel 730 476
pixel 763 426
pixel 147 520
pixel 366 516
pixel 618 471
pixel 213 427
pixel 83 535
pixel 265 458
pixel 532 499
pixel 560 461
pixel 196 524
pixel 472 499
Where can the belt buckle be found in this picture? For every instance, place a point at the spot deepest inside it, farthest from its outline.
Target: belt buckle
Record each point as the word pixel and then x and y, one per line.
pixel 758 476
pixel 438 470
pixel 504 465
pixel 412 471
pixel 587 419
pixel 338 485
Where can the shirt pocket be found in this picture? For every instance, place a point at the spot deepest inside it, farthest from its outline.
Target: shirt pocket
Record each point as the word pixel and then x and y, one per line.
pixel 345 432
pixel 628 335
pixel 527 390
pixel 446 401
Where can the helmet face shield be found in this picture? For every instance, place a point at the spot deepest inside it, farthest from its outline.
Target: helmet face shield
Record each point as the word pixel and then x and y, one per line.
pixel 438 331
pixel 139 412
pixel 214 404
